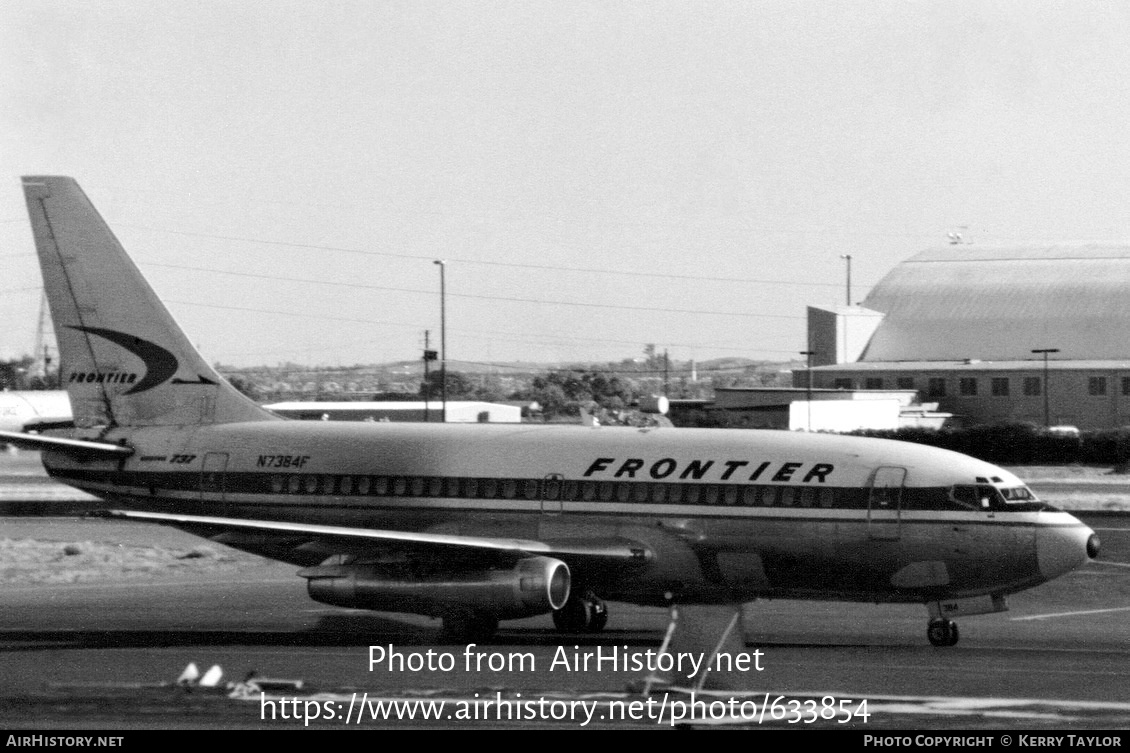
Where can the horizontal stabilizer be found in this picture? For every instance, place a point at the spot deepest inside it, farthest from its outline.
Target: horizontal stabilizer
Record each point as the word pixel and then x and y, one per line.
pixel 76 447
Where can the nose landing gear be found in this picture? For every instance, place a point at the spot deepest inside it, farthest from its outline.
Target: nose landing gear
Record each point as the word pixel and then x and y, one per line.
pixel 942 632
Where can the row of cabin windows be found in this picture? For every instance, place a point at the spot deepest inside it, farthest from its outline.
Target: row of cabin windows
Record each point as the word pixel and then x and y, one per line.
pixel 969 386
pixel 556 490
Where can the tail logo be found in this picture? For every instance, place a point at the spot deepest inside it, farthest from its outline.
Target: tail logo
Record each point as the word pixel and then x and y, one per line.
pixel 160 364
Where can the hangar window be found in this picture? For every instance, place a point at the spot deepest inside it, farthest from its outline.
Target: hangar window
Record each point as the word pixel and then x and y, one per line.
pixel 1000 386
pixel 936 387
pixel 1126 385
pixel 967 385
pixel 905 383
pixel 842 383
pixel 1032 386
pixel 873 383
pixel 1096 386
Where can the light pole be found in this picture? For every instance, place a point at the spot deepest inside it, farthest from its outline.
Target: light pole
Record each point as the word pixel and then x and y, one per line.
pixel 808 384
pixel 1046 351
pixel 847 258
pixel 442 337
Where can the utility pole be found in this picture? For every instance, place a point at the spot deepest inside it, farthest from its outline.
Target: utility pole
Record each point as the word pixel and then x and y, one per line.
pixel 666 366
pixel 429 356
pixel 808 385
pixel 443 334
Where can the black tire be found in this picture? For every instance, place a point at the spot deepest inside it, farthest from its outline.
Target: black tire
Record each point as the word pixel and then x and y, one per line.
pixel 598 618
pixel 938 633
pixel 574 617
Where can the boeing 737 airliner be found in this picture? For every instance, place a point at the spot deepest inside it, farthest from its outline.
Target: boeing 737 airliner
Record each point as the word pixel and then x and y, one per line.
pixel 478 523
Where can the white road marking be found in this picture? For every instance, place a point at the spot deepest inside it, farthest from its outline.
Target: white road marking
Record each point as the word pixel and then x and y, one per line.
pixel 1069 614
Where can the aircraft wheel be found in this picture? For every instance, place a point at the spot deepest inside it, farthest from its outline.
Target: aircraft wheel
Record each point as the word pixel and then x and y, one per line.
pixel 469 626
pixel 942 632
pixel 574 617
pixel 598 617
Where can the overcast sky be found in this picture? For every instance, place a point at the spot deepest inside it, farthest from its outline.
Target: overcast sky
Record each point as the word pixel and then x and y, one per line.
pixel 598 175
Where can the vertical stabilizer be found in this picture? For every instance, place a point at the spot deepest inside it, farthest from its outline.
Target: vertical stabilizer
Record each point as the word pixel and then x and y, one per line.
pixel 123 360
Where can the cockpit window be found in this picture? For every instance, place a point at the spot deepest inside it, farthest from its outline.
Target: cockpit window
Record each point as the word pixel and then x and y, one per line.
pixel 988 497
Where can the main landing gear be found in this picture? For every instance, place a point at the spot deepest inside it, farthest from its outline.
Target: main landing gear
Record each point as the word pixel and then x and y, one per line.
pixel 581 614
pixel 942 632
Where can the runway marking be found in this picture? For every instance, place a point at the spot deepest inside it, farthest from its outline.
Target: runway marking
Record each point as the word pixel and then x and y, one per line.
pixel 1070 614
pixel 1112 564
pixel 1118 530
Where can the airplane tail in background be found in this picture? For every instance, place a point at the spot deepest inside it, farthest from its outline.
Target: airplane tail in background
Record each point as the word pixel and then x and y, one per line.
pixel 122 358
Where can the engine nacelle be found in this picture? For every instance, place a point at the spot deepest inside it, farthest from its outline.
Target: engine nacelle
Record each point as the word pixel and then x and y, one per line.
pixel 536 585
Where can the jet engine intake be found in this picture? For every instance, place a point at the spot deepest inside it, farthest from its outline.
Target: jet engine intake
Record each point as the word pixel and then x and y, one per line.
pixel 535 585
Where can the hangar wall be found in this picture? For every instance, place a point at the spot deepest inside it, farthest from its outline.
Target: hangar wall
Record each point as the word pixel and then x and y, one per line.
pixel 959 324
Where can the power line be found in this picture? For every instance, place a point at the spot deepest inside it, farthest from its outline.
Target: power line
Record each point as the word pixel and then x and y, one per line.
pixel 474 296
pixel 472 333
pixel 544 267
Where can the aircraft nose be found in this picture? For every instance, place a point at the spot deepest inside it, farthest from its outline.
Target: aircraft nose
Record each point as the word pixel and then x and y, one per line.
pixel 1060 549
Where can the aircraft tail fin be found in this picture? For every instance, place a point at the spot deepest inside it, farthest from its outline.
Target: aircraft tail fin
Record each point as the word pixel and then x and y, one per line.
pixel 123 359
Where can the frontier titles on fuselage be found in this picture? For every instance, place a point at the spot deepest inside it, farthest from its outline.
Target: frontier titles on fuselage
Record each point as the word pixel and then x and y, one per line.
pixel 725 470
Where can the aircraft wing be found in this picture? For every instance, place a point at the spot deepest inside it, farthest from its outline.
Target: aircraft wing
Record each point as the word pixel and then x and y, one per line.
pixel 78 447
pixel 609 550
